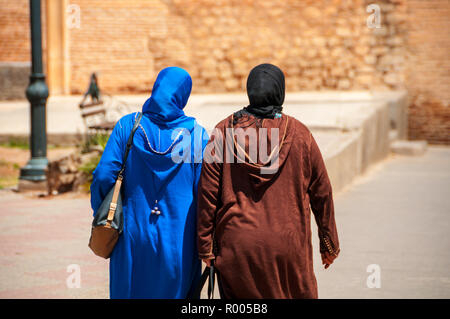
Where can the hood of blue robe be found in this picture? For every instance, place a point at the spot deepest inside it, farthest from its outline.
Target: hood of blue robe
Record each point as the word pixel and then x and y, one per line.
pixel 161 124
pixel 170 94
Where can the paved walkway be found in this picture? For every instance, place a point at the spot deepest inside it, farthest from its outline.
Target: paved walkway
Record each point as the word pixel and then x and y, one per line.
pixel 39 240
pixel 396 217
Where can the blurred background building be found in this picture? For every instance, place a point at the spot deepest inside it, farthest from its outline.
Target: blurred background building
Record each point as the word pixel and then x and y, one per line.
pixel 319 44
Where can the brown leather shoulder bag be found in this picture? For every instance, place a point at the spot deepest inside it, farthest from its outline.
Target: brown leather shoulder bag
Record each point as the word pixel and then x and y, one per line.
pixel 108 221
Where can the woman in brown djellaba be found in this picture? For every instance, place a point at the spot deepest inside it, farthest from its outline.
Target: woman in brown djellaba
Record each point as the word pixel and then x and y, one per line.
pixel 258 212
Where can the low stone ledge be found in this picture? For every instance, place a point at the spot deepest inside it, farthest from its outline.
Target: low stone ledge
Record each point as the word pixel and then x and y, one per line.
pixel 411 148
pixel 64 175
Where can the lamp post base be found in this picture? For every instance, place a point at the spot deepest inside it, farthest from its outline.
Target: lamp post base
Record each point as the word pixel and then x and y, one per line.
pixel 33 175
pixel 35 170
pixel 40 187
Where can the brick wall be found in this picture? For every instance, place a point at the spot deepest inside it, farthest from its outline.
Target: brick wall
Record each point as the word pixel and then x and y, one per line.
pixel 113 40
pixel 14 31
pixel 428 77
pixel 15 47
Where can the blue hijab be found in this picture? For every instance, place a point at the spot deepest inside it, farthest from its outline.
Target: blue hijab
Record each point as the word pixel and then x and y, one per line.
pixel 169 96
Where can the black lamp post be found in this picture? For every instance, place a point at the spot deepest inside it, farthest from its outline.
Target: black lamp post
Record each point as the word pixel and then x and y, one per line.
pixel 37 94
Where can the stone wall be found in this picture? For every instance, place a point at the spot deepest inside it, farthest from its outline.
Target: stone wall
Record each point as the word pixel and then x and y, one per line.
pixel 14 79
pixel 320 44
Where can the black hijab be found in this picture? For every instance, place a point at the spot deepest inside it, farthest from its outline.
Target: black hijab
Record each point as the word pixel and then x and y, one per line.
pixel 265 90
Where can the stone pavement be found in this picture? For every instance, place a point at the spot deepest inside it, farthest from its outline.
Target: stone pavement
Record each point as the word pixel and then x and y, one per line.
pixel 40 238
pixel 395 216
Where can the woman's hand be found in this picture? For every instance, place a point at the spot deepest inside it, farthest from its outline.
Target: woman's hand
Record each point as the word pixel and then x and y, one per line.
pixel 327 259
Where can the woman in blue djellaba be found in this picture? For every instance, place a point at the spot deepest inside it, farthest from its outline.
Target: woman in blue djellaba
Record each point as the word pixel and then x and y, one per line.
pixel 156 254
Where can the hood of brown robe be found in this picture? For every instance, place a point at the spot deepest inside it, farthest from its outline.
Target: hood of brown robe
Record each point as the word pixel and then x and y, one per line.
pixel 261 172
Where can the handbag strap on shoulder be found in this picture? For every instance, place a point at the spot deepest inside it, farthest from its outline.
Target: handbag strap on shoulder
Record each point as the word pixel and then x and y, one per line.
pixel 130 143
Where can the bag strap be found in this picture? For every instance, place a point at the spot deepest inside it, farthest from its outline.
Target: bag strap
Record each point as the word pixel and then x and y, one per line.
pixel 212 275
pixel 209 272
pixel 130 143
pixel 118 184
